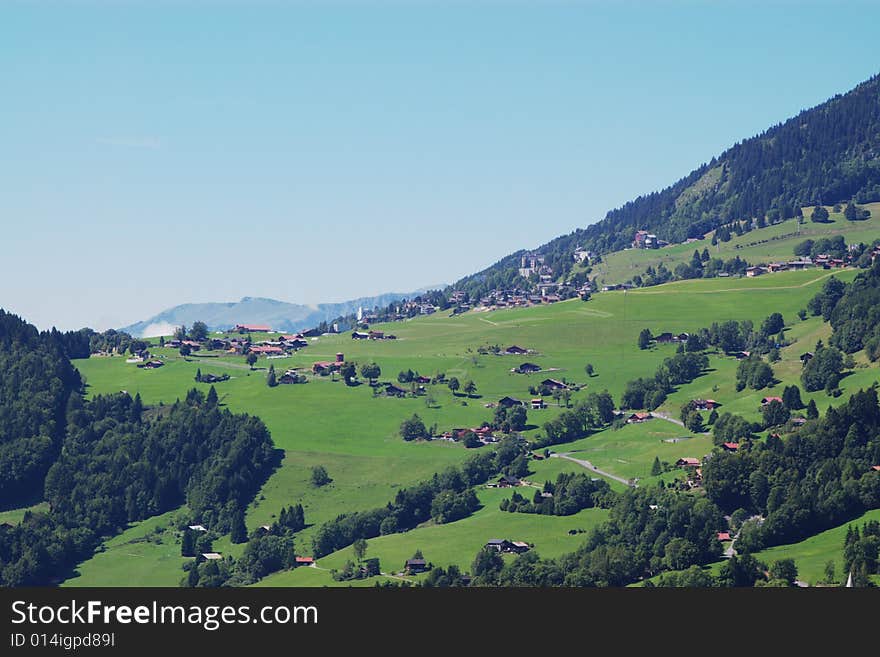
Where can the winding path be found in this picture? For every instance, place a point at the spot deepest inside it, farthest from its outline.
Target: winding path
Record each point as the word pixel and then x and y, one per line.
pixel 590 466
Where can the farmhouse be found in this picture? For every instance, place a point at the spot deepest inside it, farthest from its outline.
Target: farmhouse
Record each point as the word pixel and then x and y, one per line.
pixel 356 335
pixel 723 536
pixel 527 368
pixel 519 547
pixel 325 366
pixel 208 556
pixel 151 364
pixel 266 350
pixel 806 357
pixel 538 404
pixel 730 447
pixel 554 384
pixel 192 344
pixel 876 467
pixel 688 462
pixel 637 418
pixel 514 350
pixel 394 391
pixel 705 404
pixel 739 355
pixel 767 400
pixel 304 561
pixel 414 566
pixel 251 328
pixel 507 481
pixel 500 544
pixel 507 402
pixel 751 272
pixel 664 338
pixel 197 528
pixel 376 335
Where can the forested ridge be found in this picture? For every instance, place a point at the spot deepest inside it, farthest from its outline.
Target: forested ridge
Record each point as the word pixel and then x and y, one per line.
pixel 106 462
pixel 825 155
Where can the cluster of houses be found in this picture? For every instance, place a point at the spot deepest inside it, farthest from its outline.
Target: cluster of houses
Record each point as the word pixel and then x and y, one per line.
pixel 822 261
pixel 483 434
pixel 372 335
pixel 645 240
pixel 505 545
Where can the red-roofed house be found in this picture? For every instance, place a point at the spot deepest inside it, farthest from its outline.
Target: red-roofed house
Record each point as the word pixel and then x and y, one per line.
pixel 705 404
pixel 639 417
pixel 723 536
pixel 688 462
pixel 730 447
pixel 876 467
pixel 252 328
pixel 305 561
pixel 322 365
pixel 767 400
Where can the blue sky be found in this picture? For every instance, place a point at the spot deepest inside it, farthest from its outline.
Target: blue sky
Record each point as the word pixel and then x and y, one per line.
pixel 169 152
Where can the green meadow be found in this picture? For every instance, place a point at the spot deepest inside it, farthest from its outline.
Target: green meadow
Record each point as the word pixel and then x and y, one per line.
pixel 771 244
pixel 354 434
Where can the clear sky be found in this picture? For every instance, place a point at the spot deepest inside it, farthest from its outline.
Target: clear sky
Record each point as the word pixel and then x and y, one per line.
pixel 164 152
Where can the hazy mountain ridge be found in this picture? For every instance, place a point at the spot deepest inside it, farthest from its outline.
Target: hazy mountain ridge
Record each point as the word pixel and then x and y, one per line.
pixel 280 315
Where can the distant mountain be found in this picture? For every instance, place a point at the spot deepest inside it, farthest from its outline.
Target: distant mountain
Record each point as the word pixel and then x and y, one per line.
pixel 279 315
pixel 828 154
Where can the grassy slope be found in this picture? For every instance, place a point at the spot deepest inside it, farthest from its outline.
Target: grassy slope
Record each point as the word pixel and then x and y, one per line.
pixel 771 244
pixel 14 516
pixel 355 435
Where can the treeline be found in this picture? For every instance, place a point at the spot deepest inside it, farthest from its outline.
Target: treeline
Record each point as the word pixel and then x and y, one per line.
pixel 445 497
pixel 649 530
pixel 650 393
pixel 817 478
pixel 853 311
pixel 572 492
pixel 36 382
pixel 593 412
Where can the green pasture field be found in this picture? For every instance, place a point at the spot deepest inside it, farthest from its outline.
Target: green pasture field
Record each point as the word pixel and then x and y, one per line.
pixel 354 434
pixel 458 542
pixel 14 516
pixel 771 244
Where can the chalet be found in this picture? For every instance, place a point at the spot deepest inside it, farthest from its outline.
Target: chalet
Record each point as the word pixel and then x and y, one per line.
pixel 208 556
pixel 723 536
pixel 688 462
pixel 192 344
pixel 681 337
pixel 507 481
pixel 293 342
pixel 357 335
pixel 376 335
pixel 394 391
pixel 798 421
pixel 705 404
pixel 514 349
pixel 798 265
pixel 507 402
pixel 423 379
pixel 739 355
pixel 538 404
pixel 767 400
pixel 636 418
pixel 325 366
pixel 289 338
pixel 527 368
pixel 751 272
pixel 518 547
pixel 537 456
pixel 266 350
pixel 217 343
pixel 151 364
pixel 173 344
pixel 730 447
pixel 806 357
pixel 554 384
pixel 310 333
pixel 289 377
pixel 774 267
pixel 836 262
pixel 500 544
pixel 197 528
pixel 415 566
pixel 303 561
pixel 664 338
pixel 251 328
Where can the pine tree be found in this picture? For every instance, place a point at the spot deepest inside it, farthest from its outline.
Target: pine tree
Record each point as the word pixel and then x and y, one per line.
pixel 199 374
pixel 270 378
pixel 238 534
pixel 812 411
pixel 211 400
pixel 137 408
pixel 188 543
pixel 656 468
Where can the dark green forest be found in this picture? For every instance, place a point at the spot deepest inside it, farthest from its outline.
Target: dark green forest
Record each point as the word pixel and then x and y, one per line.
pixel 103 463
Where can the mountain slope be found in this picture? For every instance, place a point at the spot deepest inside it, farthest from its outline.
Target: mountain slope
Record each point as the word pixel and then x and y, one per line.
pixel 827 154
pixel 279 315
